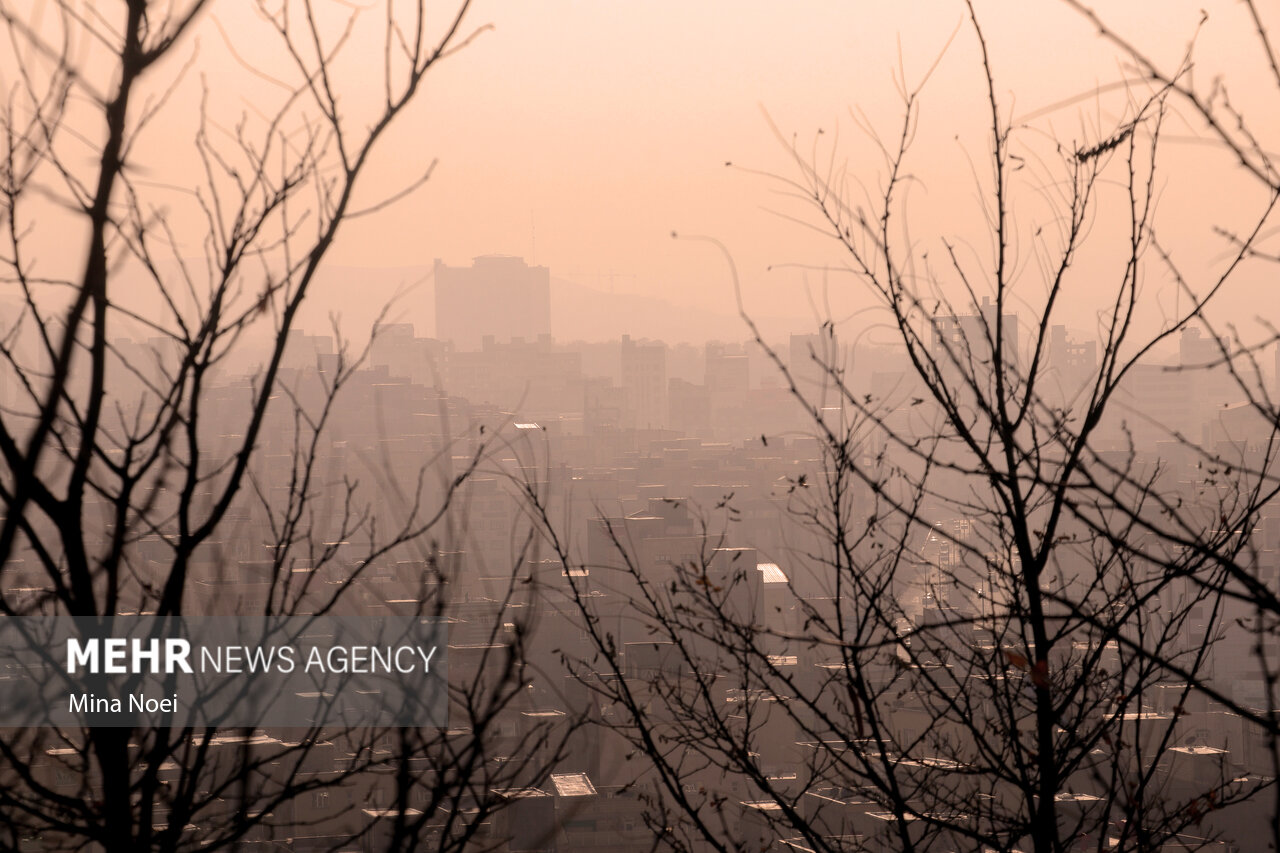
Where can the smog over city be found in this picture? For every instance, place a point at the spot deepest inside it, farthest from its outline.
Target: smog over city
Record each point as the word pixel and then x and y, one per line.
pixel 690 427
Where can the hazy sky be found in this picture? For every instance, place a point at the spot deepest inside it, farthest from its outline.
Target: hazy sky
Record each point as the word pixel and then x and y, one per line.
pixel 581 134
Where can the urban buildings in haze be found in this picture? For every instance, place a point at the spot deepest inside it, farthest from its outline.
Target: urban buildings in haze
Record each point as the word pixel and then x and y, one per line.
pixel 498 296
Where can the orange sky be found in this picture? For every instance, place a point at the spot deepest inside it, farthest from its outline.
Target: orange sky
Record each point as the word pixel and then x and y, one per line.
pixel 581 134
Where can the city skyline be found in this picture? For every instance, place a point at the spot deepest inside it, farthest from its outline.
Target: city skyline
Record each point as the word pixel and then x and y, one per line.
pixel 656 428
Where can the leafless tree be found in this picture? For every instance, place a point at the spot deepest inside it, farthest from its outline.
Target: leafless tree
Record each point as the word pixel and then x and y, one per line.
pixel 1011 618
pixel 135 476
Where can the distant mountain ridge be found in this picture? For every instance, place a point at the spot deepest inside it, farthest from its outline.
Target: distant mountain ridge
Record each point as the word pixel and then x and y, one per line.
pixel 356 295
pixel 579 312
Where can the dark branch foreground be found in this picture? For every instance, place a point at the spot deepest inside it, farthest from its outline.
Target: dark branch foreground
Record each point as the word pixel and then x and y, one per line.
pixel 137 480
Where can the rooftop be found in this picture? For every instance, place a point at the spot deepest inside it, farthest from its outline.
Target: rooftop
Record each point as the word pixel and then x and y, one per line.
pixel 573 785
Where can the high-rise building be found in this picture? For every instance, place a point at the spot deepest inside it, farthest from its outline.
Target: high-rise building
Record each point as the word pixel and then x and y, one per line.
pixel 644 382
pixel 405 355
pixel 498 296
pixel 727 369
pixel 812 357
pixel 1207 364
pixel 1072 364
pixel 962 339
